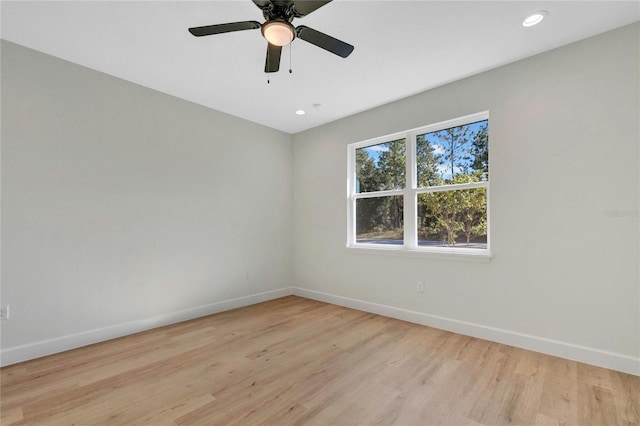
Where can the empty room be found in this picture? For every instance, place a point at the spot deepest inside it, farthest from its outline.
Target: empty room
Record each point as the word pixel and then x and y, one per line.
pixel 316 212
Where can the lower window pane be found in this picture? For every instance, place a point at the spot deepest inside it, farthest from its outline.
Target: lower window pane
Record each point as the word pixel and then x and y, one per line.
pixel 453 218
pixel 380 220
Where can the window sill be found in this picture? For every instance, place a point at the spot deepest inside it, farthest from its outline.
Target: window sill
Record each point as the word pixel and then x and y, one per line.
pixel 461 255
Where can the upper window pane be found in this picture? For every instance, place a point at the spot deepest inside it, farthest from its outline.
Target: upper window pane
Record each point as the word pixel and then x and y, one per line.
pixel 381 167
pixel 455 155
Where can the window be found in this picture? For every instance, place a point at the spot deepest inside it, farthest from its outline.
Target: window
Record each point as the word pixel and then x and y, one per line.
pixel 422 190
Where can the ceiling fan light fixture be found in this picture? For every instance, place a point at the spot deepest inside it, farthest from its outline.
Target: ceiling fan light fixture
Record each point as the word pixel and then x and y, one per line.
pixel 278 32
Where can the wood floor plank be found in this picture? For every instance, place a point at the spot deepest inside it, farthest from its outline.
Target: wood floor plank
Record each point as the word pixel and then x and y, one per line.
pixel 521 400
pixel 294 361
pixel 596 406
pixel 628 405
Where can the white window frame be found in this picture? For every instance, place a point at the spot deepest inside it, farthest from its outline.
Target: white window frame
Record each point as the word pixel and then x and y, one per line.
pixel 410 195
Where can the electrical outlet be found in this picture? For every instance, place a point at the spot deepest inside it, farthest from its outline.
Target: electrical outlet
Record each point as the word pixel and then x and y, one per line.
pixel 420 287
pixel 4 312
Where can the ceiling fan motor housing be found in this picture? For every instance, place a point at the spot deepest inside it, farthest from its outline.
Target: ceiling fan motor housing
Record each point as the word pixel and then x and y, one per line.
pixel 279 9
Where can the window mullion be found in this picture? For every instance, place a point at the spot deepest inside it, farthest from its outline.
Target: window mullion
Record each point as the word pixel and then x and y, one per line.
pixel 456 187
pixel 351 201
pixel 410 203
pixel 376 194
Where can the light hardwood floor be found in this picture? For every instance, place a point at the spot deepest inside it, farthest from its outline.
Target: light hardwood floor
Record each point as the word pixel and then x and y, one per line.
pixel 294 361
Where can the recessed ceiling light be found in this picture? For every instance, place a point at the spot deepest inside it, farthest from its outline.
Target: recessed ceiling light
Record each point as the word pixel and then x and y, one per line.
pixel 300 112
pixel 534 18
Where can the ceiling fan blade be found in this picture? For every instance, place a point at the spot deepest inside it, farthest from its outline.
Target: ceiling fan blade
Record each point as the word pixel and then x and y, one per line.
pixel 272 63
pixel 224 28
pixel 324 41
pixel 305 7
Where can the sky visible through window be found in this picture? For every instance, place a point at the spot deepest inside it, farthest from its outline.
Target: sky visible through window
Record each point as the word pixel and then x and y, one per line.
pixel 444 170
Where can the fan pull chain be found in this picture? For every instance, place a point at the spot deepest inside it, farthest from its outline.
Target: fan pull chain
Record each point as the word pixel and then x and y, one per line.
pixel 268 72
pixel 290 50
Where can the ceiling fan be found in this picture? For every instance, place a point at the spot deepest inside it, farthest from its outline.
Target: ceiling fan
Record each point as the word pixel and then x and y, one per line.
pixel 279 31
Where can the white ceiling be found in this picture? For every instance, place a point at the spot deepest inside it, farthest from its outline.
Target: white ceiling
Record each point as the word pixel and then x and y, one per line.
pixel 401 48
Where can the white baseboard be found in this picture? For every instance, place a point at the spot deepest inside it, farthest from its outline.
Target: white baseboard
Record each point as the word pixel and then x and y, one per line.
pixel 613 361
pixel 29 351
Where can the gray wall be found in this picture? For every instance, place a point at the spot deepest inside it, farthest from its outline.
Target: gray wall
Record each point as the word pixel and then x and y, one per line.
pixel 122 204
pixel 564 150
